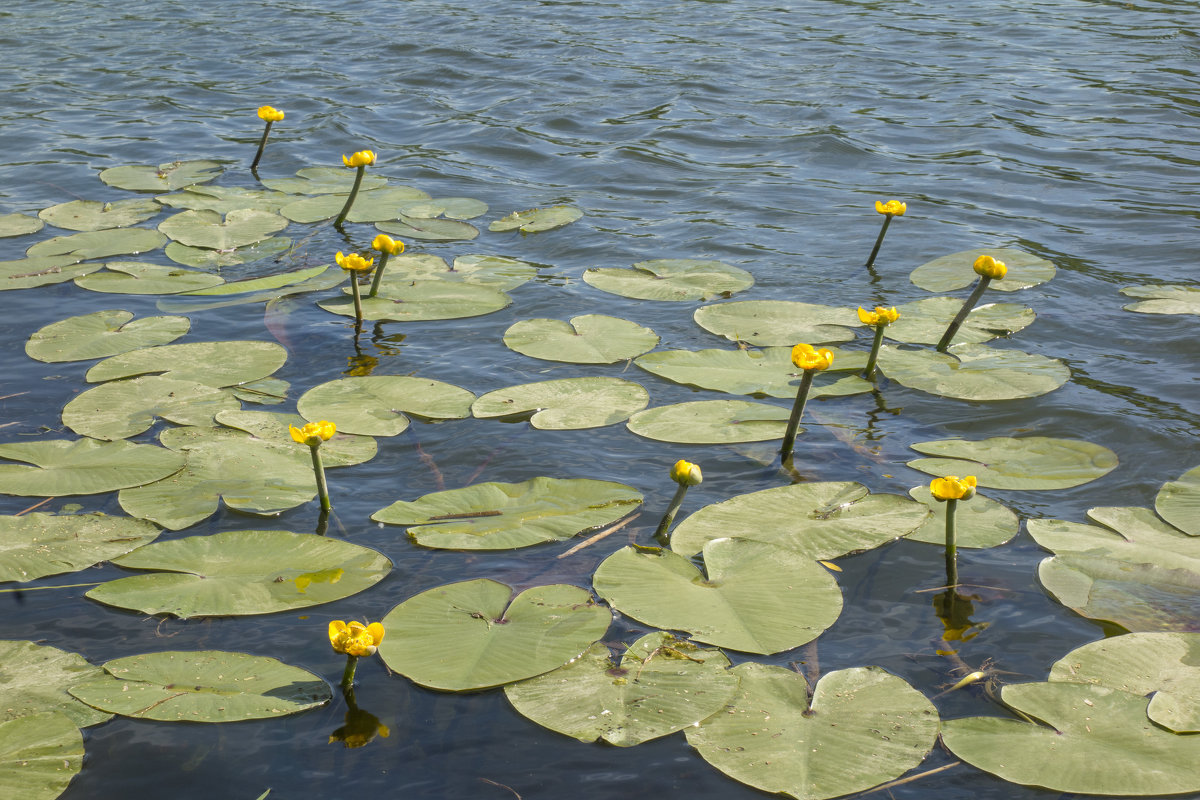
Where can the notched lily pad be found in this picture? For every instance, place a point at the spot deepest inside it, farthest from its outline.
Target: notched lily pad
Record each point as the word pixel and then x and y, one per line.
pixel 224 199
pixel 372 205
pixel 671 279
pixel 58 467
pixel 1029 462
pixel 91 215
pixel 135 277
pixel 324 180
pixel 422 301
pixel 163 178
pixel 374 404
pixel 536 220
pixel 1178 502
pixel 27 273
pixel 102 334
pixel 979 522
pixel 274 247
pixel 120 409
pixel 99 244
pixel 974 372
pixel 429 230
pixel 214 364
pixel 767 372
pixel 19 225
pixel 36 680
pixel 566 404
pixel 711 422
pixel 39 755
pixel 37 545
pixel 1164 299
pixel 207 229
pixel 955 271
pixel 925 321
pixel 778 323
pixel 588 339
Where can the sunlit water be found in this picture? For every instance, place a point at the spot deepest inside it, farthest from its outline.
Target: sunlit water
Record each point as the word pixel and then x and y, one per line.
pixel 755 134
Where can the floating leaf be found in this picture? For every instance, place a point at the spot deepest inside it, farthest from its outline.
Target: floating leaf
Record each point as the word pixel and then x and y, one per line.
pixel 502 516
pixel 566 404
pixel 36 680
pixel 264 283
pixel 39 755
pixel 324 180
pixel 211 363
pixel 756 598
pixel 27 273
pixel 980 522
pixel 671 279
pixel 1086 740
pixel 467 635
pixel 589 339
pixel 373 404
pixel 61 467
pixel 1178 502
pixel 974 372
pixel 925 321
pixel 343 450
pixel 37 545
pixel 163 178
pixel 135 277
pixel 242 572
pixel 422 301
pixel 816 520
pixel 322 278
pixel 91 215
pixel 499 273
pixel 863 727
pixel 450 207
pixel 711 422
pixel 536 220
pixel 767 372
pixel 239 228
pixel 224 199
pixel 1164 299
pixel 1030 462
pixel 955 271
pixel 120 409
pixel 215 259
pixel 429 230
pixel 102 334
pixel 373 205
pixel 203 686
pixel 99 244
pixel 661 685
pixel 19 225
pixel 778 323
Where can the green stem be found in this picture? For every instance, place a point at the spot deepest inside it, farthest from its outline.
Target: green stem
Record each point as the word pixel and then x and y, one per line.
pixel 951 546
pixel 669 517
pixel 383 259
pixel 319 472
pixel 961 316
pixel 887 220
pixel 869 372
pixel 358 317
pixel 348 674
pixel 350 200
pixel 789 438
pixel 261 144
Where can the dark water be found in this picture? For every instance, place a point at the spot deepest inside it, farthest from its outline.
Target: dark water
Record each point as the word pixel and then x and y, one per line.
pixel 756 134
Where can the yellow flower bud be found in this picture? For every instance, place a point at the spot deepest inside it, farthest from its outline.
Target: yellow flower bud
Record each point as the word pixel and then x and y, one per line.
pixel 353 262
pixel 313 433
pixel 355 639
pixel 880 316
pixel 893 207
pixel 386 244
pixel 952 488
pixel 685 473
pixel 806 357
pixel 269 114
pixel 990 268
pixel 363 158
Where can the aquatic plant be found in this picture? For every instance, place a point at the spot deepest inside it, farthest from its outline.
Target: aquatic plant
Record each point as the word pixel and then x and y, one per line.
pixel 892 208
pixel 270 116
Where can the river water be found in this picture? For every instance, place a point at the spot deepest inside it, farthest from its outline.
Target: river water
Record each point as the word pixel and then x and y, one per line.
pixel 752 133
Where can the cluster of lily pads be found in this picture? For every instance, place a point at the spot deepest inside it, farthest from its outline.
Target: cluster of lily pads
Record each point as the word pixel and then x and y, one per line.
pixel 752 574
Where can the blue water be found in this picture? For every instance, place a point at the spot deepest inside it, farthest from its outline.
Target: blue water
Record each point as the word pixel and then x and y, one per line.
pixel 755 134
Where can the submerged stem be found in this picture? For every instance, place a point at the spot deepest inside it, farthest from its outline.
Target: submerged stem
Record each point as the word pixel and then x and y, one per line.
pixel 961 316
pixel 789 437
pixel 887 220
pixel 358 178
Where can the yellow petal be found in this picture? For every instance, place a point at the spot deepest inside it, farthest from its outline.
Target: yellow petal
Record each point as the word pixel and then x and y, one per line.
pixel 375 629
pixel 297 434
pixel 865 317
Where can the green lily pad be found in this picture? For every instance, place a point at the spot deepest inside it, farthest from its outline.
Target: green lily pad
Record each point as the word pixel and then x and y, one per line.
pixel 163 178
pixel 27 273
pixel 756 597
pixel 974 372
pixel 449 207
pixel 536 220
pixel 711 422
pixel 863 727
pixel 135 277
pixel 956 271
pixel 91 215
pixel 203 686
pixel 239 228
pixel 343 450
pixel 236 573
pixel 767 372
pixel 34 679
pixel 925 321
pixel 39 755
pixel 429 230
pixel 99 244
pixel 1030 462
pixel 661 685
pixel 588 339
pixel 102 334
pixel 374 404
pixel 314 279
pixel 19 225
pixel 1178 502
pixel 567 404
pixel 1164 299
pixel 373 205
pixel 1085 740
pixel 58 467
pixel 499 273
pixel 120 409
pixel 467 635
pixel 268 391
pixel 422 301
pixel 263 283
pixel 37 545
pixel 778 323
pixel 979 522
pixel 503 516
pixel 324 180
pixel 214 364
pixel 224 199
pixel 274 247
pixel 815 520
pixel 671 279
pixel 1166 665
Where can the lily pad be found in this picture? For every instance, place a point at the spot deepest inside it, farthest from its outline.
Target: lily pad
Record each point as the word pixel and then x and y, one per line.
pixel 925 321
pixel 756 597
pixel 566 404
pixel 536 220
pixel 955 271
pixel 1178 502
pixel 767 372
pixel 374 404
pixel 163 178
pixel 34 679
pixel 589 339
pixel 263 283
pixel 503 516
pixel 1030 462
pixel 863 727
pixel 974 372
pixel 671 279
pixel 27 273
pixel 99 244
pixel 373 205
pixel 422 301
pixel 274 247
pixel 320 279
pixel 236 573
pixel 214 364
pixel 203 686
pixel 499 273
pixel 37 545
pixel 239 228
pixel 1164 299
pixel 979 522
pixel 449 207
pixel 1085 740
pixel 467 635
pixel 778 323
pixel 39 755
pixel 661 685
pixel 91 215
pixel 19 225
pixel 135 277
pixel 224 199
pixel 58 467
pixel 343 450
pixel 324 180
pixel 711 422
pixel 120 409
pixel 102 334
pixel 429 230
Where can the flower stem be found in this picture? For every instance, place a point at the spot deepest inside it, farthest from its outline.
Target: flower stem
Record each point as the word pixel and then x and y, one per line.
pixel 665 526
pixel 348 674
pixel 319 472
pixel 358 317
pixel 261 144
pixel 961 316
pixel 887 220
pixel 869 372
pixel 951 546
pixel 383 259
pixel 789 438
pixel 350 200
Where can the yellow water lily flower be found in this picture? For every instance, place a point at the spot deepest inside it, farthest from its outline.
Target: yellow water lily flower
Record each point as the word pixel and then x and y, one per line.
pixel 269 114
pixel 313 432
pixel 806 357
pixel 363 158
pixel 685 473
pixel 353 262
pixel 880 316
pixel 952 488
pixel 386 244
pixel 354 638
pixel 893 207
pixel 990 268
